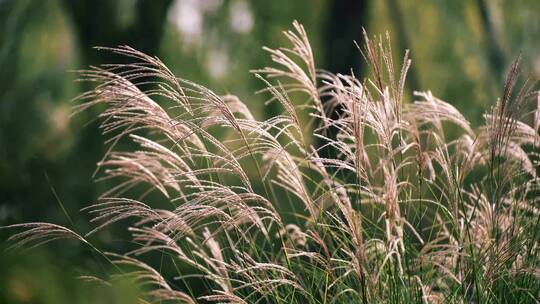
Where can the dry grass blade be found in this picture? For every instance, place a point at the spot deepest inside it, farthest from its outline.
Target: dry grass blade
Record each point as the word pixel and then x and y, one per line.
pixel 36 234
pixel 148 276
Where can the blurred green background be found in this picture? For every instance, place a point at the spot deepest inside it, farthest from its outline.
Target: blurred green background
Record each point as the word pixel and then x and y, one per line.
pixel 460 50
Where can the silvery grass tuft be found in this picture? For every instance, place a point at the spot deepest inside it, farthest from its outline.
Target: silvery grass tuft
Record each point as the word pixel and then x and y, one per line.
pixel 397 202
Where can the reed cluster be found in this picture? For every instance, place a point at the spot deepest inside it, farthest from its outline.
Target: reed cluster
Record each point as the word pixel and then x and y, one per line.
pixel 371 199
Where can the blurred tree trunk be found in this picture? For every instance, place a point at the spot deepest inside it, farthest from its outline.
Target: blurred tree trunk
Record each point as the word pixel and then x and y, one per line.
pixel 346 18
pixel 495 52
pixel 403 42
pixel 97 23
pixel 345 21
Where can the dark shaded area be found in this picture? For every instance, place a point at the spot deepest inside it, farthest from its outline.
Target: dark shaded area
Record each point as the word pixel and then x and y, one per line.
pixel 403 42
pixel 96 23
pixel 344 24
pixel 494 51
